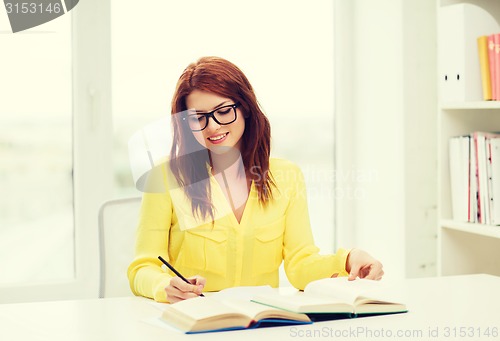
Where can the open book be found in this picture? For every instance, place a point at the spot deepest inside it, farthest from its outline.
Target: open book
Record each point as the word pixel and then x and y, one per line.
pixel 206 314
pixel 332 298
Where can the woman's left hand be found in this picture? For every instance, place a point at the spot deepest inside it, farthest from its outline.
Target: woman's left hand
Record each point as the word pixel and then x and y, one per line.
pixel 361 264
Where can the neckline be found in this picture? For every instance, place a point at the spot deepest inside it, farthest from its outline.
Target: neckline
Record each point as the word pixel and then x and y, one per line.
pixel 228 207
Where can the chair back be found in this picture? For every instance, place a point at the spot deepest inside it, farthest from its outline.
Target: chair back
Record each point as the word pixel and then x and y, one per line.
pixel 118 221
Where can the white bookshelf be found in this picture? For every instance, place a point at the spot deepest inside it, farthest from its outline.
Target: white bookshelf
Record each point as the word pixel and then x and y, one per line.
pixel 464 247
pixel 474 105
pixel 490 231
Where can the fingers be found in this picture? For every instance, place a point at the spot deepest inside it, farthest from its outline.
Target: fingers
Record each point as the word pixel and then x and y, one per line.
pixel 372 271
pixel 354 272
pixel 361 264
pixel 198 280
pixel 179 290
pixel 376 272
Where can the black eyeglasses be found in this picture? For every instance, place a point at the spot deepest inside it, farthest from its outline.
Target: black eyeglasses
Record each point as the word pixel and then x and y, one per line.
pixel 223 116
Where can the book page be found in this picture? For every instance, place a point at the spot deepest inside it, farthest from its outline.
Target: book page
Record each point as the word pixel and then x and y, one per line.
pixel 351 291
pixel 246 293
pixel 199 308
pixel 204 314
pixel 259 311
pixel 302 302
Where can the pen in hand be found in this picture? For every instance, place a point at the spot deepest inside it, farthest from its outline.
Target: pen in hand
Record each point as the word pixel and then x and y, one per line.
pixel 177 273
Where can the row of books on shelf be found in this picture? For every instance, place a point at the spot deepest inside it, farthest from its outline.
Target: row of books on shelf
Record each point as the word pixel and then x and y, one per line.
pixel 475 177
pixel 489 62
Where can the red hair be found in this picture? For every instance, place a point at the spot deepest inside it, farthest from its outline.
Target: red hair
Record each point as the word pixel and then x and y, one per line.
pixel 221 77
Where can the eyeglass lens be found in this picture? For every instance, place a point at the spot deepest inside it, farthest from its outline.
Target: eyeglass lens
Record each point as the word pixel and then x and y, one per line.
pixel 223 115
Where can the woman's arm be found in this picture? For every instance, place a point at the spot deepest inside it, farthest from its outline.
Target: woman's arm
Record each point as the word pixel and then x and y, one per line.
pixel 146 277
pixel 303 263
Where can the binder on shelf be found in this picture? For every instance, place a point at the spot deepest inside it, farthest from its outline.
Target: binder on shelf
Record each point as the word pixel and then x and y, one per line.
pixel 496 62
pixel 459 147
pixel 483 52
pixel 459 27
pixel 494 149
pixel 486 179
pixel 482 179
pixel 489 176
pixel 474 161
pixel 473 192
pixel 491 62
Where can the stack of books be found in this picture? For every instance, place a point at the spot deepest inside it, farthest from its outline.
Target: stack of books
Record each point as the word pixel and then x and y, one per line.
pixel 489 62
pixel 475 177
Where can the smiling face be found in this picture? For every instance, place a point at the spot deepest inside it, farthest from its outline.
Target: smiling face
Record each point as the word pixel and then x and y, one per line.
pixel 216 137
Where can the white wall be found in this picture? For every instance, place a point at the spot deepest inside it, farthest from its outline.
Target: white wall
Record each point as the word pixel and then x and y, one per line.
pixel 420 106
pixel 376 72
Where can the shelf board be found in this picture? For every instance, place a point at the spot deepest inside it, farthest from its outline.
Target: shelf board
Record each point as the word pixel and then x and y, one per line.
pixel 471 105
pixel 492 231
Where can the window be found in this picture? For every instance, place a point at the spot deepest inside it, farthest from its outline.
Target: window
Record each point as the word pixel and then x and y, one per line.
pixel 55 148
pixel 36 164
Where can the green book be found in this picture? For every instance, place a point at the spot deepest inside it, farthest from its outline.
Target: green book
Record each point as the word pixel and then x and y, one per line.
pixel 334 298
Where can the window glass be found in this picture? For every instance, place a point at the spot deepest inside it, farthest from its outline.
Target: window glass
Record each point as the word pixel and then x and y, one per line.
pixel 36 184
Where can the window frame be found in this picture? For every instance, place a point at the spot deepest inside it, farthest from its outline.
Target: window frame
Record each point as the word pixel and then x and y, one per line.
pixel 92 150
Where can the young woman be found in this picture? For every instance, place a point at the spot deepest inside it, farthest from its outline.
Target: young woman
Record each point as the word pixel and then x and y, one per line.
pixel 231 214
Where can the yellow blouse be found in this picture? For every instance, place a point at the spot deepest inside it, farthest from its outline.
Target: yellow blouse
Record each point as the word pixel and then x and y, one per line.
pixel 229 253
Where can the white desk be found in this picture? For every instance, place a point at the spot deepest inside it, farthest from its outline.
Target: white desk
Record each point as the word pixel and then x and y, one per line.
pixel 440 305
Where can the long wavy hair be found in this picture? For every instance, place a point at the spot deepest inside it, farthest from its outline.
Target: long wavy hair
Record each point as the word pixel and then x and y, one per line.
pixel 221 77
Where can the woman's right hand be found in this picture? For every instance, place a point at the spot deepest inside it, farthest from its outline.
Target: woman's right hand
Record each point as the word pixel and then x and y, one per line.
pixel 179 290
